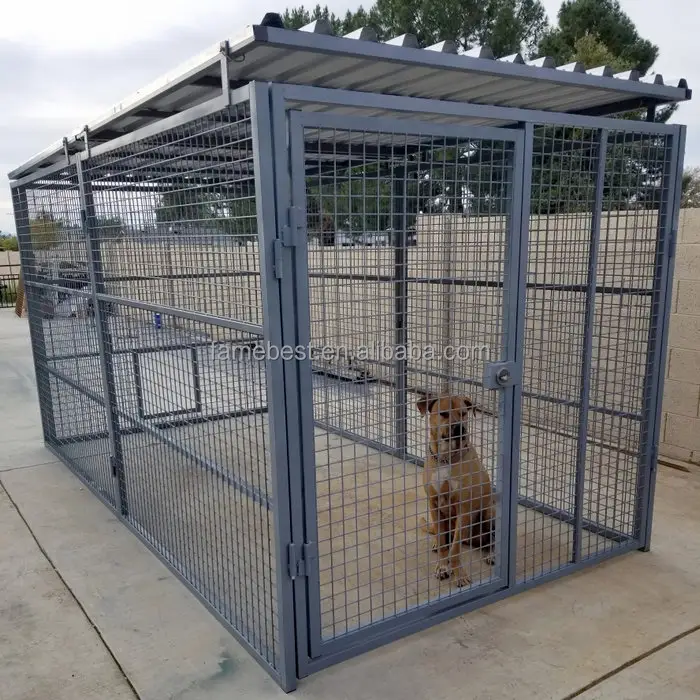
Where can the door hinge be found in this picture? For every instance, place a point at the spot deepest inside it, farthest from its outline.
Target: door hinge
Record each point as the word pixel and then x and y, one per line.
pixel 291 233
pixel 113 464
pixel 299 558
pixel 290 237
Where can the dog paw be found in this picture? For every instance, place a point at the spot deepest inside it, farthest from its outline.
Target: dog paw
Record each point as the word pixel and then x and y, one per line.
pixel 462 579
pixel 442 572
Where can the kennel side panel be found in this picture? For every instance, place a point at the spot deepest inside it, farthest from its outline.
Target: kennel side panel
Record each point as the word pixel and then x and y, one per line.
pixel 197 463
pixel 671 211
pixel 90 224
pixel 639 183
pixel 34 309
pixel 564 168
pixel 180 216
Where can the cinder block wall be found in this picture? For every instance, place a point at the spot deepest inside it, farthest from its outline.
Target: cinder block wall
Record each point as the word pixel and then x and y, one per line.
pixel 680 427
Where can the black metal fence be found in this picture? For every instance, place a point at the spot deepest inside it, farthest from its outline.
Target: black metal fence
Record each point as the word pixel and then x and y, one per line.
pixel 9 283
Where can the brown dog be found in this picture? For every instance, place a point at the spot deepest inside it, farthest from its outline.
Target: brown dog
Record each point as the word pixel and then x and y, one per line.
pixel 457 486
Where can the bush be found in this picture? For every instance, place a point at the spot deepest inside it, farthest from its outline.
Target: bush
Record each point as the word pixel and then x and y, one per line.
pixel 9 243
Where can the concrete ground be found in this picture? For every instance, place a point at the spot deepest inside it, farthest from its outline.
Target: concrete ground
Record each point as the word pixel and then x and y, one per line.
pixel 86 611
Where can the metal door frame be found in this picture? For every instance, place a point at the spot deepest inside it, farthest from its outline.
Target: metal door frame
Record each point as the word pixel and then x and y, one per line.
pixel 311 650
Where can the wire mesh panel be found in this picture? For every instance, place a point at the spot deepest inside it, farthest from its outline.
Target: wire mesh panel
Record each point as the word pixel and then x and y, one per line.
pixel 564 169
pixel 594 231
pixel 627 324
pixel 176 219
pixel 407 256
pixel 173 222
pixel 62 325
pixel 192 407
pixel 144 290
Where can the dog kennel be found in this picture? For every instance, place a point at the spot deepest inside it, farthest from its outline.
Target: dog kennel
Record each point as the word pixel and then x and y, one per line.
pixel 241 281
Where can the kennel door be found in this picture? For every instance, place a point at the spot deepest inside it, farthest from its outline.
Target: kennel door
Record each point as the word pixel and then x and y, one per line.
pixel 405 284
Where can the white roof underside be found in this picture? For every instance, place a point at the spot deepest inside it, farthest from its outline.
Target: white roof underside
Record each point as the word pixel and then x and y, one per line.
pixel 359 62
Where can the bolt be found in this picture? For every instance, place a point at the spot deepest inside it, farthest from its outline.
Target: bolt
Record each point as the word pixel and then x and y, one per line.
pixel 503 376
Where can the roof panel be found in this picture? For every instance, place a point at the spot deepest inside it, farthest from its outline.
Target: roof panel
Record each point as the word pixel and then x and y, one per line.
pixel 313 56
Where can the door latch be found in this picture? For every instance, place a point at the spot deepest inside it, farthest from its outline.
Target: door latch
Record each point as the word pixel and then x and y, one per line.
pixel 501 375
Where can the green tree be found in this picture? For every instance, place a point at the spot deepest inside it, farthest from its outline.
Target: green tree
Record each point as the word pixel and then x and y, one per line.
pixel 8 243
pixel 44 231
pixel 605 20
pixel 690 197
pixel 507 26
pixel 201 211
pixel 597 33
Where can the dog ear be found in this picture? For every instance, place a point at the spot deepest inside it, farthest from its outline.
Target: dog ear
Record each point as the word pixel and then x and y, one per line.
pixel 468 405
pixel 425 404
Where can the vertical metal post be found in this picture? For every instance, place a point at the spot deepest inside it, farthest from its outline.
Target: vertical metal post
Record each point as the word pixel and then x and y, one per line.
pixel 515 290
pixel 585 376
pixel 104 337
pixel 269 151
pixel 660 310
pixel 300 391
pixel 35 313
pixel 400 298
pixel 448 304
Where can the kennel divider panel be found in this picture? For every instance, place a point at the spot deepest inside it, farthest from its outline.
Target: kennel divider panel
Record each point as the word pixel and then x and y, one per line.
pixel 340 326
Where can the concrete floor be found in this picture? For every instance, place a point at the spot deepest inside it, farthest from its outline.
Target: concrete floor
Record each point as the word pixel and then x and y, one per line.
pixel 87 612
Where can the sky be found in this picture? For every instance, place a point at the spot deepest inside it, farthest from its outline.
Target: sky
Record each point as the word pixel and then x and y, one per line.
pixel 61 66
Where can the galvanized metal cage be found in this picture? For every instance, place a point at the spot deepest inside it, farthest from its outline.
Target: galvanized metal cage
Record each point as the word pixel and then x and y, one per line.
pixel 240 290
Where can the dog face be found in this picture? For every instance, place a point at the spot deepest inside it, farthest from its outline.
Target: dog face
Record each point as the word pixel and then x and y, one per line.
pixel 447 423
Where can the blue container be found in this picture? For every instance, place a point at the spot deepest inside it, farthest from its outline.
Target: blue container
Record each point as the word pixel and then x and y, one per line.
pixel 156 320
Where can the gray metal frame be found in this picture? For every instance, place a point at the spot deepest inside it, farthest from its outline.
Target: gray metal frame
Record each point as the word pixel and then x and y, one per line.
pixel 298 121
pixel 279 114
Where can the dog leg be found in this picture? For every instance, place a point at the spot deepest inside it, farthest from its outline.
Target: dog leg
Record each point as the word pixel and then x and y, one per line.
pixel 434 528
pixel 455 555
pixel 442 569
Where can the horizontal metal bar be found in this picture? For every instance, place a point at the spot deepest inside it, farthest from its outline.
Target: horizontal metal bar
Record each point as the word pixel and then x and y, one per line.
pixel 180 423
pixel 252 328
pixel 250 491
pixel 60 288
pixel 75 385
pixel 433 374
pixel 387 125
pixel 382 633
pixel 217 104
pixel 452 281
pixel 462 282
pixel 569 518
pixel 47 171
pixel 237 483
pixel 211 319
pixel 576 404
pixel 419 105
pixel 144 350
pixel 186 276
pixel 372 444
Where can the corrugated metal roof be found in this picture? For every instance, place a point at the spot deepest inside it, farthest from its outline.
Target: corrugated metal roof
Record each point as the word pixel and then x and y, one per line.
pixel 314 56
